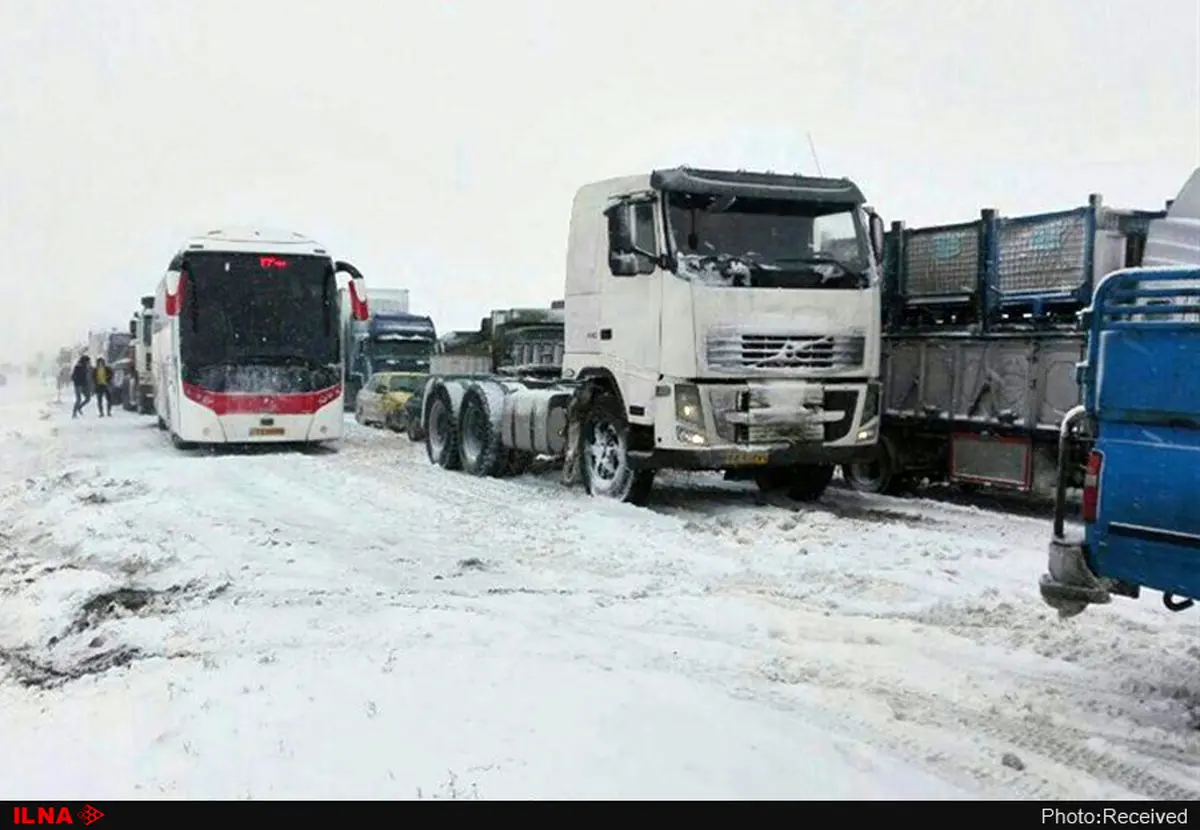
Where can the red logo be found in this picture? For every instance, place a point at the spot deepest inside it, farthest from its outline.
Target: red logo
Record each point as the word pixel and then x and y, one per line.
pixel 55 815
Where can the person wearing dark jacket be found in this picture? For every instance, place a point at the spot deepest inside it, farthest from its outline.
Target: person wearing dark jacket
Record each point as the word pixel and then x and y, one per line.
pixel 81 378
pixel 101 379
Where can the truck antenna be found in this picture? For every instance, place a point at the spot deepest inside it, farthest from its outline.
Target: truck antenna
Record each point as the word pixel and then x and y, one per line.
pixel 813 148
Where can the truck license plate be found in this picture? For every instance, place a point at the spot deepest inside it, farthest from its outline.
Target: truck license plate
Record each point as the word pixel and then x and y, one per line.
pixel 746 459
pixel 263 431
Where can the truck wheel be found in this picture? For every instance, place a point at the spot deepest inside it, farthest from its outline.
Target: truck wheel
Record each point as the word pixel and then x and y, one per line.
pixel 605 467
pixel 479 446
pixel 441 439
pixel 413 427
pixel 802 482
pixel 518 463
pixel 145 405
pixel 873 476
pixel 810 482
pixel 878 475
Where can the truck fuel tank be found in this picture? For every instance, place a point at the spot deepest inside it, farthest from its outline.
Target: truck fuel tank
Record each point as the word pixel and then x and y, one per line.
pixel 535 420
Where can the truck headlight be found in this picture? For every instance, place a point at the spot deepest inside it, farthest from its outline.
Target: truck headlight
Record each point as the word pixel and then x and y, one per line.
pixel 871 403
pixel 687 405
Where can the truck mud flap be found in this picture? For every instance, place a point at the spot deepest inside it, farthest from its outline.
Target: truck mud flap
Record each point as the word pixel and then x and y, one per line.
pixel 983 459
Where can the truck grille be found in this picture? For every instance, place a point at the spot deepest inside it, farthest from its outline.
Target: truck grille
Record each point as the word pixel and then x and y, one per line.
pixel 536 354
pixel 732 352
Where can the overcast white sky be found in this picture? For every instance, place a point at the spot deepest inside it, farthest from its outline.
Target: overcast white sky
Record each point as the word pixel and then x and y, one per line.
pixel 437 145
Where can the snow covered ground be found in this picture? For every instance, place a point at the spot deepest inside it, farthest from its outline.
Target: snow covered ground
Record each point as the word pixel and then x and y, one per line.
pixel 360 624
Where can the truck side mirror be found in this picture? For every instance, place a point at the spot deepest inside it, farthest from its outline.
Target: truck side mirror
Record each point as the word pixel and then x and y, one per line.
pixel 620 229
pixel 622 251
pixel 875 226
pixel 133 327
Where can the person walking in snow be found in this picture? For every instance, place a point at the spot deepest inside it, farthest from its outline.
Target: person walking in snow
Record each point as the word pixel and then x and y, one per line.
pixel 81 378
pixel 102 377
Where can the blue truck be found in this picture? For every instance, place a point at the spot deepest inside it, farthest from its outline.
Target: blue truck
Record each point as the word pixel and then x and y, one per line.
pixel 1138 427
pixel 980 343
pixel 391 339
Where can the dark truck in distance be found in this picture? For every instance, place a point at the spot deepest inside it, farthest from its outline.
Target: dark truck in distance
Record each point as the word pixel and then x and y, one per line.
pixel 514 342
pixel 389 341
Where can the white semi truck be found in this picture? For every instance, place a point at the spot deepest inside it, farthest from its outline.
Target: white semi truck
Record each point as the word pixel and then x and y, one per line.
pixel 139 392
pixel 714 320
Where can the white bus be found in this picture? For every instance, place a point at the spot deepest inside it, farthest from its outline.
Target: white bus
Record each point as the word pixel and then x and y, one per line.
pixel 246 344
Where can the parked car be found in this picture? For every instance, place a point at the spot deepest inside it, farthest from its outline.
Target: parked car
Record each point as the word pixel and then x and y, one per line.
pixel 382 400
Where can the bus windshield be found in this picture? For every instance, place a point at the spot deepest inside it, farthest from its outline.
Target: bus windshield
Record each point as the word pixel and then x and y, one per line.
pixel 255 323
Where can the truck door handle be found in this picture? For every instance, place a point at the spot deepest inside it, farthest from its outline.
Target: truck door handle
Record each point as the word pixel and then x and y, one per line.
pixel 606 334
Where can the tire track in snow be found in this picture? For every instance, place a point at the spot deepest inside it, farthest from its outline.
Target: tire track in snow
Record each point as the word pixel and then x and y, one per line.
pixel 1057 743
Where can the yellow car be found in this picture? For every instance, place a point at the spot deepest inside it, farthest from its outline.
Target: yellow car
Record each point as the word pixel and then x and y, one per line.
pixel 381 400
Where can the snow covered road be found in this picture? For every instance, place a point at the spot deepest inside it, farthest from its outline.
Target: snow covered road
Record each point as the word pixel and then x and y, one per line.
pixel 360 624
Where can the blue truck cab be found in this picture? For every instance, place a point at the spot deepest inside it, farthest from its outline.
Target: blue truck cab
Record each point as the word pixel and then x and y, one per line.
pixel 391 341
pixel 1138 427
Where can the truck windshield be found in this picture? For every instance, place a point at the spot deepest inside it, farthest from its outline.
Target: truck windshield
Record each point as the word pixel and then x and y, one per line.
pixel 401 345
pixel 253 323
pixel 767 243
pixel 117 346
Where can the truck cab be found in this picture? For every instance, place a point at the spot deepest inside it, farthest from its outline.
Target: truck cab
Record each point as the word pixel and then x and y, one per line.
pixel 1139 425
pixel 736 317
pixel 394 342
pixel 139 390
pixel 713 320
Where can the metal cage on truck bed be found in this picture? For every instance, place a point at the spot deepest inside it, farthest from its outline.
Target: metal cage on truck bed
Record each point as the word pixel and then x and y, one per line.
pixel 1007 271
pixel 981 340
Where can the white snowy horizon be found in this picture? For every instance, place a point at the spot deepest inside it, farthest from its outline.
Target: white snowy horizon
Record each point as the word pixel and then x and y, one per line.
pixel 438 146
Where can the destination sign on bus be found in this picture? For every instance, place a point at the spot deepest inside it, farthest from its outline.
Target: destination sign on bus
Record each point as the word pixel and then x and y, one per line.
pixel 272 262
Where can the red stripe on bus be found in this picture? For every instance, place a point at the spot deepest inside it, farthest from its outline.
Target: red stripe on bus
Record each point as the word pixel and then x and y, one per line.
pixel 223 403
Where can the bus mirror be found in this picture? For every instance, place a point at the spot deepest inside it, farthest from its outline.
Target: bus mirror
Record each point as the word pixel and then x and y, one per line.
pixel 357 290
pixel 174 292
pixel 133 327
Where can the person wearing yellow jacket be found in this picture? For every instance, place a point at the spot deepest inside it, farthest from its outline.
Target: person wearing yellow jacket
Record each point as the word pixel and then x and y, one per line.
pixel 101 378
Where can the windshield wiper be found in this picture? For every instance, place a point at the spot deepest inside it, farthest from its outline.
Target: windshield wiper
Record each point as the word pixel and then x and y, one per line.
pixel 823 259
